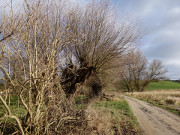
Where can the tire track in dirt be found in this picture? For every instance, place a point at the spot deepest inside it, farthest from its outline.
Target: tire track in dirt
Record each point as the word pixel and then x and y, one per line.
pixel 154 120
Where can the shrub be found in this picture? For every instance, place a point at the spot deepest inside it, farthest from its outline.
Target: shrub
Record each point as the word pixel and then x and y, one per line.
pixel 170 101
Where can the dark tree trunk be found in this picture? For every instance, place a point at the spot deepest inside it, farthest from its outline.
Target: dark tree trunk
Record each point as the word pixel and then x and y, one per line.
pixel 96 88
pixel 72 76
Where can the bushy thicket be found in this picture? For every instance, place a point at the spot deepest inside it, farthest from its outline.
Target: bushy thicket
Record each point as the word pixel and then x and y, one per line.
pixel 49 51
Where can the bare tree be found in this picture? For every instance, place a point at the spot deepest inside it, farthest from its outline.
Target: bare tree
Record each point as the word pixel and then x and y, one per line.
pixel 137 73
pixel 29 63
pixel 34 43
pixel 98 40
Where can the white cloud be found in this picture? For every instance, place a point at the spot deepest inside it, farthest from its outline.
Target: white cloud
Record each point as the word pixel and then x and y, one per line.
pixel 161 22
pixel 175 11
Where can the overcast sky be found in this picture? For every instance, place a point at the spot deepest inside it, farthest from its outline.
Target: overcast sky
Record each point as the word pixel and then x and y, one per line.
pixel 160 20
pixel 161 25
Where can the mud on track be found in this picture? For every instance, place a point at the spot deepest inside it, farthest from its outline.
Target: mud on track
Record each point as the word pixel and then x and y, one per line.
pixel 154 120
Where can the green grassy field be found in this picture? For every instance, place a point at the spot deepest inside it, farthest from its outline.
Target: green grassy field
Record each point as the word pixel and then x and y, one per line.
pixel 163 85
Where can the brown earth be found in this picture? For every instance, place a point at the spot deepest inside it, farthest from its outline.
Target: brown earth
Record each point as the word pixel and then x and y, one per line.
pixel 154 120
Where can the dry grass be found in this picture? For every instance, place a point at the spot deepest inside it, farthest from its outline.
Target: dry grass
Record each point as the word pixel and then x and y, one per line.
pixel 111 117
pixel 99 121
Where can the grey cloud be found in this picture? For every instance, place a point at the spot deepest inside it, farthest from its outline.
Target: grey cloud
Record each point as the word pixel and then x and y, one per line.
pixel 173 71
pixel 161 23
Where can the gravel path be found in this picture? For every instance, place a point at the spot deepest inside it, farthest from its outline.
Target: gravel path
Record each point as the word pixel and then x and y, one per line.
pixel 154 120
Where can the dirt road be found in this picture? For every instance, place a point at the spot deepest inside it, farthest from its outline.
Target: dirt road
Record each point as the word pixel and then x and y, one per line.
pixel 154 120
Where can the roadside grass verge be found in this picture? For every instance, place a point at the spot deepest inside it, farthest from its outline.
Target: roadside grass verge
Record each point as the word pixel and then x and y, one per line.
pixel 113 117
pixel 117 107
